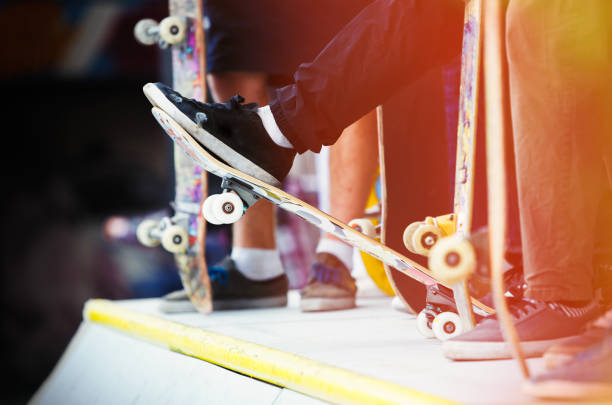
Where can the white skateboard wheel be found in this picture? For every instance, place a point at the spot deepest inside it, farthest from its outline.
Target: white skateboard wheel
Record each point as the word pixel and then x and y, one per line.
pixel 228 207
pixel 447 325
pixel 452 259
pixel 363 225
pixel 207 211
pixel 407 236
pixel 175 239
pixel 425 237
pixel 423 325
pixel 172 30
pixel 145 31
pixel 143 233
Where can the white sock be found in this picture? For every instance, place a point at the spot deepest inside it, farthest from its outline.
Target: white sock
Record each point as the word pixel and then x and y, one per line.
pixel 257 264
pixel 339 249
pixel 272 128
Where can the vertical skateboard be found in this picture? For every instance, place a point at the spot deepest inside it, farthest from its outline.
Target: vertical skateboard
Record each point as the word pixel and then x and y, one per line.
pixel 493 15
pixel 184 233
pixel 450 263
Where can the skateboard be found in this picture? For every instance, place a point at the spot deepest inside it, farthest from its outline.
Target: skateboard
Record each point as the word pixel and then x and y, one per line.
pixel 184 233
pixel 412 185
pixel 242 191
pixel 493 15
pixel 440 239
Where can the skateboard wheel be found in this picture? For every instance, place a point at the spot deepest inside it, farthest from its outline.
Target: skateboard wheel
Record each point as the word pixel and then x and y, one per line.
pixel 175 239
pixel 407 236
pixel 144 31
pixel 172 30
pixel 425 237
pixel 228 207
pixel 424 324
pixel 363 225
pixel 452 259
pixel 143 233
pixel 447 325
pixel 207 211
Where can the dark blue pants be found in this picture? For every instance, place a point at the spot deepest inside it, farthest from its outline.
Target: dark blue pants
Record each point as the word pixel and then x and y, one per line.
pixel 387 46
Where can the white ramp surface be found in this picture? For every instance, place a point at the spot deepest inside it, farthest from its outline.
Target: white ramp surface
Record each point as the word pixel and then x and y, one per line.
pixel 380 346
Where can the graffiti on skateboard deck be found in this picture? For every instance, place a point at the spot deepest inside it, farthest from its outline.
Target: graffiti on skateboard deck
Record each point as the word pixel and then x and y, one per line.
pixel 184 233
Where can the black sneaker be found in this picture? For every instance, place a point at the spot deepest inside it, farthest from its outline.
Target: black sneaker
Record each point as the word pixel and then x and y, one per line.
pixel 232 131
pixel 331 286
pixel 539 326
pixel 232 290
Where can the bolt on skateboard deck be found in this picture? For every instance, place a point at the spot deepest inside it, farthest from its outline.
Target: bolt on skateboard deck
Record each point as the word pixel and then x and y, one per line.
pixel 242 191
pixel 184 233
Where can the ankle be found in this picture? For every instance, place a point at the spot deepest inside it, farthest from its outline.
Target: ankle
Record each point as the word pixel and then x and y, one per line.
pixel 257 264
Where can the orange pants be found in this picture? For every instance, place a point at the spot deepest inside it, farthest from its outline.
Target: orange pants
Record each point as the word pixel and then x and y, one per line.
pixel 560 73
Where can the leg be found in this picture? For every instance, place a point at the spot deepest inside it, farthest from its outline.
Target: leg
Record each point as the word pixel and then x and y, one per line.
pixel 256 228
pixel 255 272
pixel 558 71
pixel 559 61
pixel 353 161
pixel 385 47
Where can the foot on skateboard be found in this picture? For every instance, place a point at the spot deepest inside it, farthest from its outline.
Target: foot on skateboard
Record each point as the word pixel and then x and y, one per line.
pixel 233 132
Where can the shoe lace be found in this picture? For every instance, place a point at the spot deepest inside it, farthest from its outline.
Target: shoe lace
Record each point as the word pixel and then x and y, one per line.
pixel 235 103
pixel 515 282
pixel 519 307
pixel 219 275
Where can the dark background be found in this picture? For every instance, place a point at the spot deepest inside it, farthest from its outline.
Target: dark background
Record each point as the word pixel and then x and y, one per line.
pixel 79 147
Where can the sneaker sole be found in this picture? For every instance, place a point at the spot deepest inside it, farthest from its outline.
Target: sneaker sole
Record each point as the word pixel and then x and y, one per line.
pixel 568 390
pixel 556 360
pixel 234 159
pixel 176 302
pixel 250 303
pixel 458 350
pixel 176 307
pixel 326 304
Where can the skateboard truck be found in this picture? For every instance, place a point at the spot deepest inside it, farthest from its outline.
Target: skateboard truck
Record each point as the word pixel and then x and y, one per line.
pixel 229 206
pixel 171 232
pixel 421 236
pixel 170 31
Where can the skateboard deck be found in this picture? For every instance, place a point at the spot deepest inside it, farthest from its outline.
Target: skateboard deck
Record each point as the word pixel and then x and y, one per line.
pixel 463 201
pixel 183 31
pixel 493 15
pixel 245 190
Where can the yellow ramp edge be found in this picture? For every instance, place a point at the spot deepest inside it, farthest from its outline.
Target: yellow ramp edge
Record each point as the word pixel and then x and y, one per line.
pixel 296 373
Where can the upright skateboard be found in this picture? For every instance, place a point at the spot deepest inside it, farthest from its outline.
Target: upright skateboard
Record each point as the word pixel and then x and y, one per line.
pixel 184 233
pixel 242 191
pixel 494 13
